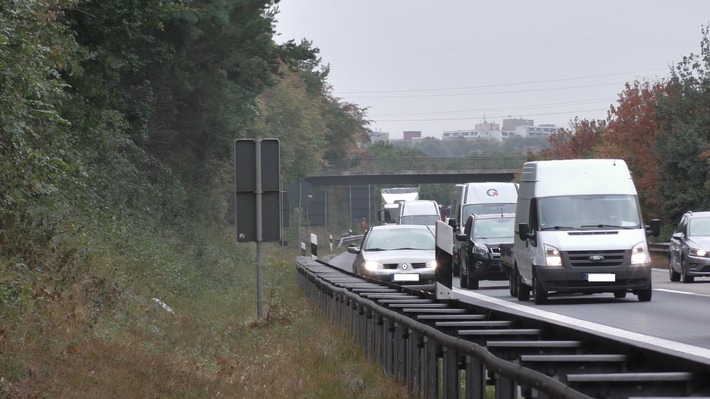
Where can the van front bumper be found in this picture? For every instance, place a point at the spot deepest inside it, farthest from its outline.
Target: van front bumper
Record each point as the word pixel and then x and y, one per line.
pixel 593 279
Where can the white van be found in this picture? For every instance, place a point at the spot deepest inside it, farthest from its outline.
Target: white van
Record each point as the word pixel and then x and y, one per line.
pixel 580 230
pixel 482 199
pixel 422 212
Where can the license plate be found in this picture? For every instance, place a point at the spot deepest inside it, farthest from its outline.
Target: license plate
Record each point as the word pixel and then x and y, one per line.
pixel 405 277
pixel 600 277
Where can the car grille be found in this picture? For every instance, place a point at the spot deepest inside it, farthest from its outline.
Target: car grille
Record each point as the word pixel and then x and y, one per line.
pixel 595 258
pixel 393 266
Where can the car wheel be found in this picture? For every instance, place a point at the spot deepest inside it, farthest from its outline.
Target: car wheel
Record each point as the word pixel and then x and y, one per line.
pixel 463 279
pixel 539 294
pixel 619 294
pixel 645 295
pixel 522 290
pixel 674 275
pixel 512 284
pixel 472 283
pixel 684 272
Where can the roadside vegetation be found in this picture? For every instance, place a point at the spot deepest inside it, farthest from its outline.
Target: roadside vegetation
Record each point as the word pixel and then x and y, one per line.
pixel 119 272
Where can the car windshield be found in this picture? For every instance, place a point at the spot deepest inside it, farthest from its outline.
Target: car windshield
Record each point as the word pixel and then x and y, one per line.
pixel 425 220
pixel 494 228
pixel 394 239
pixel 699 227
pixel 589 212
pixel 486 209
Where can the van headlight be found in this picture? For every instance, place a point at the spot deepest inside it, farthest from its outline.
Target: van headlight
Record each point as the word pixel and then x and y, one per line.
pixel 481 250
pixel 639 254
pixel 552 256
pixel 372 266
pixel 431 264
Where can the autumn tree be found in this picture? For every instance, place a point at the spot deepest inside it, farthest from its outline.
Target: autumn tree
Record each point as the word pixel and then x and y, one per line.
pixel 631 135
pixel 580 141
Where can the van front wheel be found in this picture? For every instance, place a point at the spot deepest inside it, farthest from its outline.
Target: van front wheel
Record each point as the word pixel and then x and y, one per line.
pixel 522 290
pixel 539 294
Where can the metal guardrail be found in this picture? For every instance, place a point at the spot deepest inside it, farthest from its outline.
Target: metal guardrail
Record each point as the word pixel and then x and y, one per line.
pixel 449 349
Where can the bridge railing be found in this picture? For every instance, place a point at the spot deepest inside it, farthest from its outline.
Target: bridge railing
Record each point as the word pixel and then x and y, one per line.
pixel 372 164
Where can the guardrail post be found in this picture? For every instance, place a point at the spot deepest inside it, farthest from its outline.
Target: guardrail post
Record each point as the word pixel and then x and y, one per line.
pixel 451 373
pixel 402 335
pixel 430 364
pixel 475 378
pixel 505 387
pixel 413 364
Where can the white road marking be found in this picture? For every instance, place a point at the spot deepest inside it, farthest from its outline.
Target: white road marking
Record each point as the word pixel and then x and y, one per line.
pixel 680 292
pixel 694 351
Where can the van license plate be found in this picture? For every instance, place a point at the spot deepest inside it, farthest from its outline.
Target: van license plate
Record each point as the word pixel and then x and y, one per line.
pixel 405 277
pixel 600 277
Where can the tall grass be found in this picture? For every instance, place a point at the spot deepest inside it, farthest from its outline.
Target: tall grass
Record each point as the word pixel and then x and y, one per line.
pixel 129 312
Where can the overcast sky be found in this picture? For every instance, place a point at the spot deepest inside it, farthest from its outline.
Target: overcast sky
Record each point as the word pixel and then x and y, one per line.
pixel 437 65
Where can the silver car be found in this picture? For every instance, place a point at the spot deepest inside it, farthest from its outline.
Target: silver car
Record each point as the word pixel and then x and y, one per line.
pixel 402 254
pixel 689 250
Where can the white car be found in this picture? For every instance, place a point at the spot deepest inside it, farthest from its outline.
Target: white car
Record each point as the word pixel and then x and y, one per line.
pixel 402 254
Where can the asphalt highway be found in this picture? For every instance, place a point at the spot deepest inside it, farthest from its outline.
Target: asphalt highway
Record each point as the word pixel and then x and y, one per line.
pixel 676 319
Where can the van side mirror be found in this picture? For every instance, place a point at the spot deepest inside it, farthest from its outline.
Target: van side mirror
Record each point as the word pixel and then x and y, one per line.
pixel 452 222
pixel 654 228
pixel 524 231
pixel 381 215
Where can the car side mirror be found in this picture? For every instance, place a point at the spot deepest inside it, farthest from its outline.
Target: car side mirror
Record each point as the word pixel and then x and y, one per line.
pixel 353 249
pixel 461 237
pixel 524 231
pixel 654 228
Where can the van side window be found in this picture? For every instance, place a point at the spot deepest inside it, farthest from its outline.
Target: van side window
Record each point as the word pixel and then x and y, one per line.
pixel 533 222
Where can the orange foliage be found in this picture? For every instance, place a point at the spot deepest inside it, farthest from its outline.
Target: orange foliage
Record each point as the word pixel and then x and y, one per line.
pixel 631 135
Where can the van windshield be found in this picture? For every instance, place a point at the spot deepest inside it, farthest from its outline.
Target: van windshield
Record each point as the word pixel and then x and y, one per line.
pixel 589 212
pixel 486 209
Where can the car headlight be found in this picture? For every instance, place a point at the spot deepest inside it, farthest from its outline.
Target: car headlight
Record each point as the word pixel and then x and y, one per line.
pixel 639 254
pixel 699 252
pixel 372 266
pixel 552 256
pixel 431 264
pixel 481 250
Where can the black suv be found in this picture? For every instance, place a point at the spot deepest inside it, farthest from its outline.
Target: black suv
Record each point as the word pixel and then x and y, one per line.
pixel 480 252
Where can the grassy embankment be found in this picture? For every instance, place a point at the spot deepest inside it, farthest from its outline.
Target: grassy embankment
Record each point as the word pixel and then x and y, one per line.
pixel 89 327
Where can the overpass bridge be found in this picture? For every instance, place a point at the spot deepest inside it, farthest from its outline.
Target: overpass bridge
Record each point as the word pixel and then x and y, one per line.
pixel 418 171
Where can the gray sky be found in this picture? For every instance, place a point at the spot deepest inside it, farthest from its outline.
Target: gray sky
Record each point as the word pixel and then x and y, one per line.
pixel 436 65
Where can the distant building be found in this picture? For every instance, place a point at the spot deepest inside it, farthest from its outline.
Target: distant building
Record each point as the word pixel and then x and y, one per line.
pixel 409 135
pixel 535 131
pixel 459 134
pixel 509 125
pixel 379 137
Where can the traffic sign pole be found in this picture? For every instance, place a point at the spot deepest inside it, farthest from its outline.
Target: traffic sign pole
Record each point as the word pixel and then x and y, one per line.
pixel 259 237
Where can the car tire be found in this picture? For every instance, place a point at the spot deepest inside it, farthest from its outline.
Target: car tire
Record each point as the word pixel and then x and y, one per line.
pixel 646 294
pixel 619 294
pixel 522 291
pixel 684 273
pixel 539 294
pixel 672 274
pixel 463 278
pixel 512 283
pixel 472 283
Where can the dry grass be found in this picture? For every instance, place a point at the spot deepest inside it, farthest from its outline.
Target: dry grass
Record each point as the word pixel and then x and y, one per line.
pixel 96 338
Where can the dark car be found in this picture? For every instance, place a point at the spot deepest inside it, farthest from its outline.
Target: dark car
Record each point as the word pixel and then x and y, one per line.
pixel 689 250
pixel 480 252
pixel 402 254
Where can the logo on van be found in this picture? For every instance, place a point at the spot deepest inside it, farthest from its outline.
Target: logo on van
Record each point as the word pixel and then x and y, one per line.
pixel 492 192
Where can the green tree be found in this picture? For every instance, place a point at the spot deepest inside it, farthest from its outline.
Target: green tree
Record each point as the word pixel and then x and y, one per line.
pixel 682 150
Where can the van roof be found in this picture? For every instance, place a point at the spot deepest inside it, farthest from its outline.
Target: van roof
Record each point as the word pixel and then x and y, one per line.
pixel 491 192
pixel 579 176
pixel 419 207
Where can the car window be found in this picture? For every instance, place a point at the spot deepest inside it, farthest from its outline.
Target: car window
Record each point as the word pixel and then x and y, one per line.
pixel 394 239
pixel 699 227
